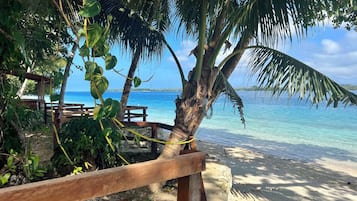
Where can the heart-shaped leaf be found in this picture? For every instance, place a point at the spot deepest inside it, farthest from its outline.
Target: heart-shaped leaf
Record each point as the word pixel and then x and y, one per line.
pixel 84 51
pixel 111 107
pixel 98 85
pixel 91 8
pixel 94 33
pixel 90 68
pixel 110 62
pixel 137 81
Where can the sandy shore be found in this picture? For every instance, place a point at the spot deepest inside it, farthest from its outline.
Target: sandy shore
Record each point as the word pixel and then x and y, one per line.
pixel 235 173
pixel 257 176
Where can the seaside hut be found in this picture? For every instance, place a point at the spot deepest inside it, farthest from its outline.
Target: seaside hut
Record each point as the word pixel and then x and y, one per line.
pixel 39 102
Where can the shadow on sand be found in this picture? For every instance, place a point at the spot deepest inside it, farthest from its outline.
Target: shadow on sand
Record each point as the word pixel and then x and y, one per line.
pixel 265 177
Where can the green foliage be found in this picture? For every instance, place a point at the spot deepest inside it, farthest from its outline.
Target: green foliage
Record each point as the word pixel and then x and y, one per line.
pixel 85 142
pixel 98 85
pixel 94 34
pixel 283 73
pixel 18 164
pixel 90 9
pixel 110 62
pixel 137 81
pixel 106 111
pixel 4 179
pixel 31 167
pixel 32 38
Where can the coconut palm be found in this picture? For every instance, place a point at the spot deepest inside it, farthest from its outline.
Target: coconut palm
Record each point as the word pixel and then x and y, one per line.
pixel 259 26
pixel 138 26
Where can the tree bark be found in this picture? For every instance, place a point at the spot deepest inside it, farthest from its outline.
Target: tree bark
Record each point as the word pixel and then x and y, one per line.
pixel 128 83
pixel 66 74
pixel 191 108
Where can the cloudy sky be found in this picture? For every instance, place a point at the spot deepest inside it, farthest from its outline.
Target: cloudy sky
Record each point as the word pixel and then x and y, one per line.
pixel 333 52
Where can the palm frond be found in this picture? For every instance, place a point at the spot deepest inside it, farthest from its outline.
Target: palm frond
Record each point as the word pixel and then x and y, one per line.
pixel 231 93
pixel 188 14
pixel 271 21
pixel 282 73
pixel 130 26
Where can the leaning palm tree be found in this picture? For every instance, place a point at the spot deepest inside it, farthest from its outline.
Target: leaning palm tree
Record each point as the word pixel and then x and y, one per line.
pixel 138 26
pixel 257 25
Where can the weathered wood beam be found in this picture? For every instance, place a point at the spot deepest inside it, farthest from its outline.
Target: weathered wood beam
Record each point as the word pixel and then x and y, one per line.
pixel 104 182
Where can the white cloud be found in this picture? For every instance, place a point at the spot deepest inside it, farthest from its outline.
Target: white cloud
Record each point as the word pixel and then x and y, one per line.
pixel 330 46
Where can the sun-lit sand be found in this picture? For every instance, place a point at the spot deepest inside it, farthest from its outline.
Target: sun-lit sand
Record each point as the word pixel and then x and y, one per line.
pixel 257 176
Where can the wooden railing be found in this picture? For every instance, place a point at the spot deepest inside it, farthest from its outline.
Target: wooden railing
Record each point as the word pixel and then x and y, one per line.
pixel 154 130
pixel 186 167
pixel 77 110
pixel 129 115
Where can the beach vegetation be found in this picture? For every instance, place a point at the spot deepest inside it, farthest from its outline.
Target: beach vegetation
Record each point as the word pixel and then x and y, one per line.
pixel 85 143
pixel 32 40
pixel 20 168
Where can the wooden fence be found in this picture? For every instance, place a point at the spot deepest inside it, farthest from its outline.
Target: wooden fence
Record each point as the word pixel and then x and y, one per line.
pixel 71 110
pixel 187 168
pixel 154 130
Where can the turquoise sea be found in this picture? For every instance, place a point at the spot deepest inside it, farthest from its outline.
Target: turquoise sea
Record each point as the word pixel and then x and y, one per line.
pixel 284 127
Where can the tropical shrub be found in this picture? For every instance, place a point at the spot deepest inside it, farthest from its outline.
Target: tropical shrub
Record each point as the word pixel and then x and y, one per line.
pixel 86 144
pixel 20 168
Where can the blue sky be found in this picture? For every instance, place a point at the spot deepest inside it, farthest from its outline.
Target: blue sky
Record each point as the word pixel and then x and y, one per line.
pixel 331 51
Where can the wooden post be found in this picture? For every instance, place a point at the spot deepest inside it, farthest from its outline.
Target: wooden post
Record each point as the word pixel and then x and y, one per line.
pixel 191 187
pixel 154 135
pixel 41 94
pixel 144 113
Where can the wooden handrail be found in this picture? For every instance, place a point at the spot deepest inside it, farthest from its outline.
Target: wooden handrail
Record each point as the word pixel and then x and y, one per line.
pixel 128 115
pixel 104 182
pixel 154 126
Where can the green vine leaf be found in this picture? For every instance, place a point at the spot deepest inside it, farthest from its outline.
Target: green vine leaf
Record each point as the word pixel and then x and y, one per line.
pixel 100 49
pixel 90 9
pixel 111 107
pixel 94 34
pixel 110 62
pixel 84 51
pixel 90 68
pixel 98 112
pixel 137 81
pixel 98 85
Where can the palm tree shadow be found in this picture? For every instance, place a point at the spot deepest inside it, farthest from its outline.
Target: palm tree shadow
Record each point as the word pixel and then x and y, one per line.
pixel 264 177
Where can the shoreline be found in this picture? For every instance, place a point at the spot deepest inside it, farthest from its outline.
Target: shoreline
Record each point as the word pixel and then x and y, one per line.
pixel 258 176
pixel 307 153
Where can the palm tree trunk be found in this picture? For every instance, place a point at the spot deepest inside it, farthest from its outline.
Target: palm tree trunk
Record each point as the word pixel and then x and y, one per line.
pixel 66 74
pixel 128 82
pixel 190 111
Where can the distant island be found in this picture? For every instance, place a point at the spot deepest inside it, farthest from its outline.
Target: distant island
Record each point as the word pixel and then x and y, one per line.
pixel 248 88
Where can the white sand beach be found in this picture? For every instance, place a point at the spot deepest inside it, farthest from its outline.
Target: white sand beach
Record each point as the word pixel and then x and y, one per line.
pixel 257 176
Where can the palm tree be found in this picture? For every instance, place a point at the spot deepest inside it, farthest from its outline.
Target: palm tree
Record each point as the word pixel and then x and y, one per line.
pixel 68 12
pixel 138 26
pixel 257 25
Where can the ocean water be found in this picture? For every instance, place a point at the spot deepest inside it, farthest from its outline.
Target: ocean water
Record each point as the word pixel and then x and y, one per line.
pixel 284 127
